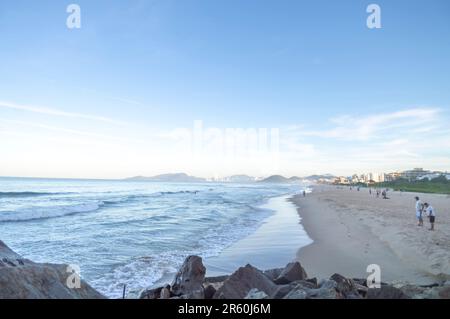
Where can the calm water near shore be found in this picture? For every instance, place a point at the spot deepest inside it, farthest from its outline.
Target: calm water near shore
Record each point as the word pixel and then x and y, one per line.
pixel 134 233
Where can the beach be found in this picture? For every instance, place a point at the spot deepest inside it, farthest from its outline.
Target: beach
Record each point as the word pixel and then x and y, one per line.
pixel 352 229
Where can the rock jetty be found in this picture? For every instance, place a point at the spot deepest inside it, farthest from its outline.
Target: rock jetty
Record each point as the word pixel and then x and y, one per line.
pixel 290 282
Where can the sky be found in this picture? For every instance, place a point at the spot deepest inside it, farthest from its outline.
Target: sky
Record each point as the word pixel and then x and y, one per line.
pixel 223 87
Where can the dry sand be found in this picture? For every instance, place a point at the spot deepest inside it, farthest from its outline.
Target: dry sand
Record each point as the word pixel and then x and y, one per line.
pixel 352 230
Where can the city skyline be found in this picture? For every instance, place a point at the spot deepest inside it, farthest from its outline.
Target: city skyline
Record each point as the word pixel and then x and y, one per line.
pixel 314 91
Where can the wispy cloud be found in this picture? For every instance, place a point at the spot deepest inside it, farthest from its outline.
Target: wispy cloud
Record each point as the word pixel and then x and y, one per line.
pixel 366 127
pixel 56 112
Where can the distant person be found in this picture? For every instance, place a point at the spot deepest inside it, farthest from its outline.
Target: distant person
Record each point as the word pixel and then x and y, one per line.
pixel 429 210
pixel 304 193
pixel 384 194
pixel 419 211
pixel 378 193
pixel 370 191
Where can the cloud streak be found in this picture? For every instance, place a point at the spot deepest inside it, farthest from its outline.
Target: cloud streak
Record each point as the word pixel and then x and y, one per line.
pixel 56 112
pixel 367 127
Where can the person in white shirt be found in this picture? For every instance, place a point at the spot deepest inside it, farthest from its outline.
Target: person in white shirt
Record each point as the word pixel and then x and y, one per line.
pixel 419 211
pixel 431 213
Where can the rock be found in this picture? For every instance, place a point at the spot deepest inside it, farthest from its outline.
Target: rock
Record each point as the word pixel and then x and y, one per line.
pixel 359 281
pixel 189 279
pixel 385 292
pixel 196 294
pixel 298 292
pixel 362 290
pixel 215 282
pixel 346 287
pixel 354 295
pixel 444 292
pixel 305 283
pixel 322 293
pixel 273 274
pixel 242 281
pixel 414 292
pixel 151 293
pixel 328 284
pixel 256 294
pixel 283 290
pixel 292 272
pixel 23 279
pixel 165 293
pixel 313 281
pixel 209 292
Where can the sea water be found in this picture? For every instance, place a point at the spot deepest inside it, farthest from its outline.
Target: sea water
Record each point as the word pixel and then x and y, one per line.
pixel 127 232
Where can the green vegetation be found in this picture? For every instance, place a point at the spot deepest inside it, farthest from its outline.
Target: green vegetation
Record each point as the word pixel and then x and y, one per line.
pixel 439 185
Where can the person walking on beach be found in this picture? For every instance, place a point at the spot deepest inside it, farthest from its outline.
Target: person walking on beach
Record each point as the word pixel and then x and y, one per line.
pixel 419 211
pixel 304 193
pixel 429 210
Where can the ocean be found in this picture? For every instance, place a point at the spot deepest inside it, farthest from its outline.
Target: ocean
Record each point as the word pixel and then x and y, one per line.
pixel 128 232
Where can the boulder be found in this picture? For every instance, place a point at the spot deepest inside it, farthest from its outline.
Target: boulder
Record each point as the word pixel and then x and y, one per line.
pixel 256 294
pixel 313 281
pixel 444 292
pixel 151 293
pixel 274 273
pixel 189 279
pixel 242 281
pixel 298 292
pixel 23 279
pixel 195 294
pixel 386 292
pixel 346 287
pixel 283 290
pixel 328 284
pixel 322 293
pixel 165 293
pixel 215 282
pixel 292 272
pixel 209 292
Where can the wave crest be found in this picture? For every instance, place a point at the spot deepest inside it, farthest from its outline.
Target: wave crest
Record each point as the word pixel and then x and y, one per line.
pixel 34 213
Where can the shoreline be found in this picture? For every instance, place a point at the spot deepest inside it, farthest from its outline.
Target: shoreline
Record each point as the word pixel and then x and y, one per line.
pixel 351 230
pixel 272 245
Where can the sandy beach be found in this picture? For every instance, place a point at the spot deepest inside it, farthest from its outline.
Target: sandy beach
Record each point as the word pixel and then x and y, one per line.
pixel 352 230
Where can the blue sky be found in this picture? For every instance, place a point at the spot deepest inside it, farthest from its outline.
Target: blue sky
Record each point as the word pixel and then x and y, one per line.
pixel 111 99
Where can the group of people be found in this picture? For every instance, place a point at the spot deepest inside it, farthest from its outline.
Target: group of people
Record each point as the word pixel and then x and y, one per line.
pixel 379 192
pixel 427 209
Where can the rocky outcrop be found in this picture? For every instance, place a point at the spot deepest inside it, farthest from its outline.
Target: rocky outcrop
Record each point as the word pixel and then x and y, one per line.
pixel 290 282
pixel 189 279
pixel 386 292
pixel 23 279
pixel 256 294
pixel 238 285
pixel 292 272
pixel 187 284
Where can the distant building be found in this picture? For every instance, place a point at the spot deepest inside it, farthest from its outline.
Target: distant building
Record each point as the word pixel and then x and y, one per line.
pixel 392 176
pixel 414 174
pixel 341 180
